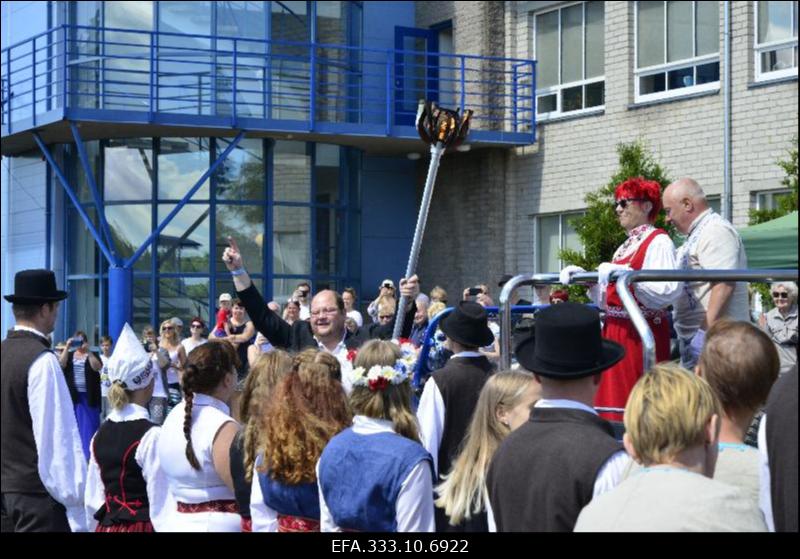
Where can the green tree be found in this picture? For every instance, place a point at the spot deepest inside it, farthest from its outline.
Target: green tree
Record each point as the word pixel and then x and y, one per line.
pixel 787 203
pixel 599 229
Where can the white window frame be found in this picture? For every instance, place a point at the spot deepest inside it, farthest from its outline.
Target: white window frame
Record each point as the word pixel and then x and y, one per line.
pixel 759 49
pixel 556 89
pixel 665 68
pixel 566 214
pixel 770 195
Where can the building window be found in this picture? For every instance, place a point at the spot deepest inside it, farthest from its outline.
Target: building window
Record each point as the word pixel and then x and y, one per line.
pixel 568 45
pixel 768 200
pixel 775 40
pixel 715 202
pixel 677 49
pixel 553 234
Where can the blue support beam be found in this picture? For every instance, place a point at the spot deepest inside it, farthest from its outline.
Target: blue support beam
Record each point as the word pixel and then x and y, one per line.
pixel 101 212
pixel 120 299
pixel 179 206
pixel 71 193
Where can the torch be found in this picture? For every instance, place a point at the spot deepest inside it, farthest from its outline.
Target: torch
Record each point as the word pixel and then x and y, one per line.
pixel 441 129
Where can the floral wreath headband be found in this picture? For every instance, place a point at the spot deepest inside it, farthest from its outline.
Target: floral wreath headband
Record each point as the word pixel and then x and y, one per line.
pixel 380 376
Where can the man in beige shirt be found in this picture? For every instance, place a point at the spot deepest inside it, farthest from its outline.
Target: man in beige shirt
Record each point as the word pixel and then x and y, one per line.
pixel 712 243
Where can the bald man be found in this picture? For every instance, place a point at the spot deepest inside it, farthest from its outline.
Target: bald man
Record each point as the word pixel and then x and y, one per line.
pixel 712 243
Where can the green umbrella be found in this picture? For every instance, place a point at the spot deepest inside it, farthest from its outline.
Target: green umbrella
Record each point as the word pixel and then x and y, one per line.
pixel 772 244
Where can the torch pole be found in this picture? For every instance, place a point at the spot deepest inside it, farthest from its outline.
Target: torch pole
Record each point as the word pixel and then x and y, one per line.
pixel 436 154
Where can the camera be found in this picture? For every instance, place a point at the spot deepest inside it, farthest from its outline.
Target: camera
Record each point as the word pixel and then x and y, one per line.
pixel 76 343
pixel 474 291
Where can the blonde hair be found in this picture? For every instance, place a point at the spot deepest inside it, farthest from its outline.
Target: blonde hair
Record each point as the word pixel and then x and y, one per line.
pixel 463 491
pixel 438 294
pixel 387 305
pixel 392 403
pixel 668 411
pixel 118 397
pixel 264 376
pixel 435 308
pixel 169 336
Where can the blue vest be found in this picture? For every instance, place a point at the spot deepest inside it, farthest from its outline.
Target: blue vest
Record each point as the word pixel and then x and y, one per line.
pixel 360 477
pixel 292 500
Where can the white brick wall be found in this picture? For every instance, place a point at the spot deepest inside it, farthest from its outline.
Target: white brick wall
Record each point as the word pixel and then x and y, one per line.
pixel 576 156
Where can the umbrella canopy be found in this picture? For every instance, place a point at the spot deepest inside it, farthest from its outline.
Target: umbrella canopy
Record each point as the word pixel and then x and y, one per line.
pixel 772 244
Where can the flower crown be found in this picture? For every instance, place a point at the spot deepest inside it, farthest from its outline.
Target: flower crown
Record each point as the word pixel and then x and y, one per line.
pixel 380 376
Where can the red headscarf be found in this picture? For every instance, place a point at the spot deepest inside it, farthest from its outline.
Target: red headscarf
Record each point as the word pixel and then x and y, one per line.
pixel 641 189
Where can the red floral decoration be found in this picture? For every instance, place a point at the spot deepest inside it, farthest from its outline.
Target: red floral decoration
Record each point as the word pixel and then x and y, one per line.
pixel 378 384
pixel 351 355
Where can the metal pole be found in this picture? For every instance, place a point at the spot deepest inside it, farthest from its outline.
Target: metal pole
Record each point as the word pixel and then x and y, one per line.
pixel 120 299
pixel 727 198
pixel 436 154
pixel 626 278
pixel 86 220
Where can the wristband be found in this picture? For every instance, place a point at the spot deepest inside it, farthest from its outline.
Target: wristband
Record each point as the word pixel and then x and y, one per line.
pixel 238 272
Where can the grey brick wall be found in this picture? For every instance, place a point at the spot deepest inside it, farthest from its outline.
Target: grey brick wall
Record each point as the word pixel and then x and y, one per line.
pixel 575 156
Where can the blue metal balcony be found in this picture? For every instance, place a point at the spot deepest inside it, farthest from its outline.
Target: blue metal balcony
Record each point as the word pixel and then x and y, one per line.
pixel 122 82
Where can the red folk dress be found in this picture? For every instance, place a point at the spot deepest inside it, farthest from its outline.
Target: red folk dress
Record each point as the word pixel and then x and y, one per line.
pixel 617 382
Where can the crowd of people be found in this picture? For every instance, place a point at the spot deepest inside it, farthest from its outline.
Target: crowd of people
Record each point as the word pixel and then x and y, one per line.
pixel 303 418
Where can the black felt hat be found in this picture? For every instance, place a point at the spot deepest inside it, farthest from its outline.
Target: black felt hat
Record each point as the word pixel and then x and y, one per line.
pixel 35 286
pixel 468 325
pixel 566 344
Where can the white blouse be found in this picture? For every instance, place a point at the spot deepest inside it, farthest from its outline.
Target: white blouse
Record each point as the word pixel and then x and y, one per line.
pixel 160 500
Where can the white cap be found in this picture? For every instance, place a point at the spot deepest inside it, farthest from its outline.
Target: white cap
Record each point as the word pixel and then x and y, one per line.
pixel 225 297
pixel 356 316
pixel 176 321
pixel 129 364
pixel 390 282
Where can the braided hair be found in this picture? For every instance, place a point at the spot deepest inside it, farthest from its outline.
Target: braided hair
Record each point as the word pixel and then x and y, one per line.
pixel 206 368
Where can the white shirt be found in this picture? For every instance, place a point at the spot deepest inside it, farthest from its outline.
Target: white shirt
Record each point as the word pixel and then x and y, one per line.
pixel 305 312
pixel 55 432
pixel 414 507
pixel 190 343
pixel 430 414
pixel 158 495
pixel 608 476
pixel 660 255
pixel 103 387
pixel 764 478
pixel 340 353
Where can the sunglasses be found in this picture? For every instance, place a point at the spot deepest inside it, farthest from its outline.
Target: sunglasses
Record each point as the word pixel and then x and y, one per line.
pixel 166 328
pixel 780 295
pixel 196 326
pixel 623 202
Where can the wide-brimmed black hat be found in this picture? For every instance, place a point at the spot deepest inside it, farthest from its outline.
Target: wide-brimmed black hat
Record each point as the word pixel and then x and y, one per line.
pixel 35 286
pixel 468 325
pixel 566 344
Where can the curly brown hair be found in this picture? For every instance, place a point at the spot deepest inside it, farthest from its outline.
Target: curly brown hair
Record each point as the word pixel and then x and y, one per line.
pixel 267 372
pixel 307 409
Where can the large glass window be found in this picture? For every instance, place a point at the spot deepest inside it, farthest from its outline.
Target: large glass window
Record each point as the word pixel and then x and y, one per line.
pixel 309 215
pixel 776 40
pixel 553 234
pixel 127 56
pixel 289 70
pixel 677 48
pixel 569 47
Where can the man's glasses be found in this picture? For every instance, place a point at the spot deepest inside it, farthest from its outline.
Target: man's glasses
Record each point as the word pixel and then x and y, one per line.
pixel 780 295
pixel 623 202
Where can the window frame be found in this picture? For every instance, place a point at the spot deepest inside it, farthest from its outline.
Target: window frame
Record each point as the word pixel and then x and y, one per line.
pixel 557 89
pixel 694 62
pixel 562 215
pixel 760 48
pixel 765 199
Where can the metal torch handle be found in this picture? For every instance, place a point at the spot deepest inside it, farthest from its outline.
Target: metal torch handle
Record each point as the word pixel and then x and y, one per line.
pixel 436 154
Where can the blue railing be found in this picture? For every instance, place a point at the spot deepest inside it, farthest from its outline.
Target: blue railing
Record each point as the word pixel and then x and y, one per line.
pixel 123 75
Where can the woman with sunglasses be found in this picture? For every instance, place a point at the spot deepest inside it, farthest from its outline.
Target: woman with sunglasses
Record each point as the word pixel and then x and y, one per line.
pixel 637 203
pixel 781 323
pixel 170 343
pixel 196 329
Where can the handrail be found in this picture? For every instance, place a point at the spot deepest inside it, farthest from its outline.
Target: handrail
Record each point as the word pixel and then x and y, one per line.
pixel 624 279
pixel 350 85
pixel 506 309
